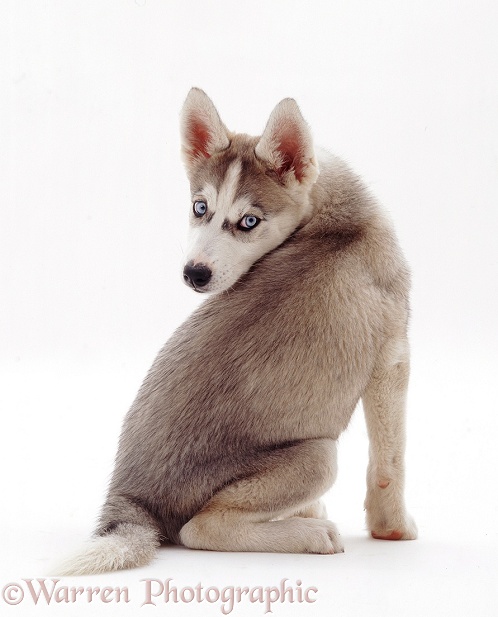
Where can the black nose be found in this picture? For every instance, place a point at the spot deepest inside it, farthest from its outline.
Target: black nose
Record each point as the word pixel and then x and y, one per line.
pixel 196 276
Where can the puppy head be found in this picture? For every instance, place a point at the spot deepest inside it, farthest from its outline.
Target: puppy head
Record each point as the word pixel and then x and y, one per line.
pixel 248 194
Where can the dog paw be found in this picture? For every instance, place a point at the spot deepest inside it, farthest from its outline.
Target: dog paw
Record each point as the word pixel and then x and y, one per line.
pixel 405 531
pixel 318 536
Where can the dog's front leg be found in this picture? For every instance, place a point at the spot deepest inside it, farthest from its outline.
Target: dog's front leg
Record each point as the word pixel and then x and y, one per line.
pixel 384 407
pixel 265 511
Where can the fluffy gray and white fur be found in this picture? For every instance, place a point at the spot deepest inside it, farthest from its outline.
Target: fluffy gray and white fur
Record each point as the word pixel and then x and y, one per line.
pixel 231 440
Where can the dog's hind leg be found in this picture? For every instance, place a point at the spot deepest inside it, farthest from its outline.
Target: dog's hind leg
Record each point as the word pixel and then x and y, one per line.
pixel 384 407
pixel 241 516
pixel 316 509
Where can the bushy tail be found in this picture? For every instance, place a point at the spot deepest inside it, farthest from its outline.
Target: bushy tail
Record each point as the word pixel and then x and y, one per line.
pixel 128 545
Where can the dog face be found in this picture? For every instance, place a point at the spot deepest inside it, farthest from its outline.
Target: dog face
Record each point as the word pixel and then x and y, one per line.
pixel 248 193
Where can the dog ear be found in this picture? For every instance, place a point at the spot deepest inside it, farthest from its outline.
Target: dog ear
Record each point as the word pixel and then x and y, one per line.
pixel 202 131
pixel 286 145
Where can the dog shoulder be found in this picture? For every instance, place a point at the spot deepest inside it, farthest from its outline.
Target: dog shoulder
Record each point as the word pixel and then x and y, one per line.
pixel 352 218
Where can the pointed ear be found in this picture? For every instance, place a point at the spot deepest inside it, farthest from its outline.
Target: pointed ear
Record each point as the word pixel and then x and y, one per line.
pixel 286 145
pixel 202 131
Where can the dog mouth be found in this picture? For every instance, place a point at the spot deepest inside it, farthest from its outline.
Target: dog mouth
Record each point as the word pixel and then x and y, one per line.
pixel 199 290
pixel 203 280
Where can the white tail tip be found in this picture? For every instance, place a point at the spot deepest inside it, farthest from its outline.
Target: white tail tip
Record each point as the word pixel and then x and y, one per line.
pixel 128 546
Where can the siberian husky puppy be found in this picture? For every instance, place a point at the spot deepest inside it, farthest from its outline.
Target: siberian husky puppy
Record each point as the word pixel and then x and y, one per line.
pixel 231 440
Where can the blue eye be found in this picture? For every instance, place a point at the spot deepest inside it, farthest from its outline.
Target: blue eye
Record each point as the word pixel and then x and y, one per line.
pixel 248 222
pixel 200 208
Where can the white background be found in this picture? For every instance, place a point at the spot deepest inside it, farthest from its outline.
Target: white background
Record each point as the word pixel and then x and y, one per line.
pixel 93 220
